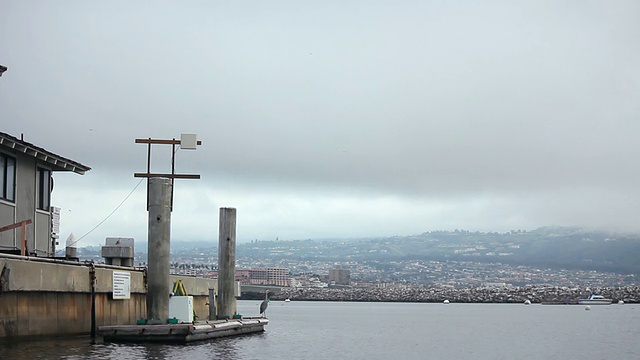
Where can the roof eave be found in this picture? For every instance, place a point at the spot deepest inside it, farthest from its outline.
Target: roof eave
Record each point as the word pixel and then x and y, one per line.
pixel 57 162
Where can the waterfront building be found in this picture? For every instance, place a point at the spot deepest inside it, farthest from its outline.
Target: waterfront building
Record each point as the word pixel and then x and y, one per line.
pixel 243 276
pixel 263 276
pixel 339 276
pixel 29 224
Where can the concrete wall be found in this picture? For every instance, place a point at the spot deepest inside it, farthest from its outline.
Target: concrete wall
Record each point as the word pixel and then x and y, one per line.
pixel 26 195
pixel 39 297
pixel 8 217
pixel 42 245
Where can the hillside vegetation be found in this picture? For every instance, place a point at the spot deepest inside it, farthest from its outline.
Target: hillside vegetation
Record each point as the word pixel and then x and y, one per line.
pixel 567 248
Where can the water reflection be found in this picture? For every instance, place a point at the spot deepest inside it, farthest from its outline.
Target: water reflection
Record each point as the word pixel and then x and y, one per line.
pixel 100 350
pixel 223 348
pixel 153 352
pixel 83 348
pixel 46 348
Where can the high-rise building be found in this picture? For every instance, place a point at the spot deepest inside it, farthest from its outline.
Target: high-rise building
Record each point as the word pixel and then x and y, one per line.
pixel 339 276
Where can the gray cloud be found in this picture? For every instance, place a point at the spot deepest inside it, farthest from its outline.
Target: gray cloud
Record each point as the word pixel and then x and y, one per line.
pixel 487 116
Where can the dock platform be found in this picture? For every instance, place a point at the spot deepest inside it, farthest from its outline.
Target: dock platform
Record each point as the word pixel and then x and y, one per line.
pixel 181 333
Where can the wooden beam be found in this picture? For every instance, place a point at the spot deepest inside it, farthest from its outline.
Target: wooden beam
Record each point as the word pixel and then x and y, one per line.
pixel 170 176
pixel 161 141
pixel 16 225
pixel 23 239
pixel 23 234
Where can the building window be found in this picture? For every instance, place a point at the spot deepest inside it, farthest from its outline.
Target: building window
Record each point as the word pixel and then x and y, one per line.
pixel 44 189
pixel 7 178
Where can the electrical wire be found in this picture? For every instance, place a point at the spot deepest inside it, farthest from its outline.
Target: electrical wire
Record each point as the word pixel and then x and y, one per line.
pixel 108 216
pixel 114 210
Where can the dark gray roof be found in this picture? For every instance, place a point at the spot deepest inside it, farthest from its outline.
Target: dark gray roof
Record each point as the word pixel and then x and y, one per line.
pixel 56 162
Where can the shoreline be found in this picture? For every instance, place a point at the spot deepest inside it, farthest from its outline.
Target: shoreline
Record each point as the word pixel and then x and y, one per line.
pixel 501 295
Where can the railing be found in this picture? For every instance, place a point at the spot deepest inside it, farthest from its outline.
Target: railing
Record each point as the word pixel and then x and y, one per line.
pixel 23 234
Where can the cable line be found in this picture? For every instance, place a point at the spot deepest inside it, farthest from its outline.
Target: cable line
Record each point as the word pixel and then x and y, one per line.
pixel 108 216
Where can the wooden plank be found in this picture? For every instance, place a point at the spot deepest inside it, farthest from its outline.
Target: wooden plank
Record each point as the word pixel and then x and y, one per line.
pixel 175 332
pixel 170 176
pixel 23 239
pixel 129 330
pixel 161 141
pixel 16 225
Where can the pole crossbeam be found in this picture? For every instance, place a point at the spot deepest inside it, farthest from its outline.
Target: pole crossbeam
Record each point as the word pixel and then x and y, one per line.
pixel 170 176
pixel 190 140
pixel 161 141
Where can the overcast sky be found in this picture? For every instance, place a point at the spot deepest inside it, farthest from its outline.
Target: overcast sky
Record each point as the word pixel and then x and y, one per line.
pixel 333 119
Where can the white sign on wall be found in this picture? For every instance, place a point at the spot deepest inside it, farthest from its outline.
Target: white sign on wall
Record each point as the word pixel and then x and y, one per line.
pixel 55 220
pixel 121 285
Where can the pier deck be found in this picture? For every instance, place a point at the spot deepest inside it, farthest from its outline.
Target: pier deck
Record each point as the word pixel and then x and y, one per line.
pixel 181 333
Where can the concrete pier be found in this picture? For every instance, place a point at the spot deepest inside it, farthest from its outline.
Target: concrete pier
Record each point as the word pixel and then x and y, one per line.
pixel 227 305
pixel 158 249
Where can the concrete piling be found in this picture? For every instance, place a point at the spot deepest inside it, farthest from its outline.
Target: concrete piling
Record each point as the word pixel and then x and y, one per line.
pixel 158 251
pixel 227 305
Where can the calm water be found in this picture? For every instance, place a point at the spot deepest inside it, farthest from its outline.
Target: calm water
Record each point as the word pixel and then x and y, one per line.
pixel 330 330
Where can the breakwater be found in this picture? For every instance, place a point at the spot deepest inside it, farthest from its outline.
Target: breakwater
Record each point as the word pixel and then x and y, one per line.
pixel 535 294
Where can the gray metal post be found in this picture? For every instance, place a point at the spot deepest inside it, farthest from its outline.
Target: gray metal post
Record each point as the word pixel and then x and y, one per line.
pixel 227 306
pixel 159 254
pixel 212 304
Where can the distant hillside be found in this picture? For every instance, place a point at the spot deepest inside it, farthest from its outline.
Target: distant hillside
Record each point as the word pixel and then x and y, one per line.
pixel 548 247
pixel 567 248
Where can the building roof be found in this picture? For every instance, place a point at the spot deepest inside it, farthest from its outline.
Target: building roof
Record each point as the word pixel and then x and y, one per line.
pixel 56 162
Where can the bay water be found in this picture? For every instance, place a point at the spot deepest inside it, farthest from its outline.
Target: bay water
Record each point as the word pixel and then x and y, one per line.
pixel 347 330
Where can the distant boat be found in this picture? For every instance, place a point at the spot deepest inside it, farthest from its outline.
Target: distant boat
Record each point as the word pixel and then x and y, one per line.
pixel 595 300
pixel 287 300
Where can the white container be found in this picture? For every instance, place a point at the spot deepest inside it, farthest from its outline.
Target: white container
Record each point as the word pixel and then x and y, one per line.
pixel 181 308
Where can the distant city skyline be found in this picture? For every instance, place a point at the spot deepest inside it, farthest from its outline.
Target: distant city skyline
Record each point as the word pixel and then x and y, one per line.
pixel 557 257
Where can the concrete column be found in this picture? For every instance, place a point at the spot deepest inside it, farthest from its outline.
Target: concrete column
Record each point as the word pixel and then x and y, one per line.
pixel 227 305
pixel 158 281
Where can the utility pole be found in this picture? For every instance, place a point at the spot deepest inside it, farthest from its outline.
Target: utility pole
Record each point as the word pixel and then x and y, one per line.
pixel 159 206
